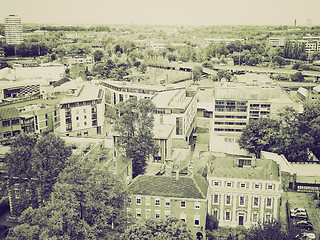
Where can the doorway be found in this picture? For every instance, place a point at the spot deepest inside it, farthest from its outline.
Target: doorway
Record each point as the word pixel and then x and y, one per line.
pixel 241 218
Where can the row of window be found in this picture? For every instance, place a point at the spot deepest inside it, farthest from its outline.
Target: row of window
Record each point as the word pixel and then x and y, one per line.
pixel 242 185
pixel 241 200
pixel 157 202
pixel 227 130
pixel 230 116
pixel 167 214
pixel 227 216
pixel 230 123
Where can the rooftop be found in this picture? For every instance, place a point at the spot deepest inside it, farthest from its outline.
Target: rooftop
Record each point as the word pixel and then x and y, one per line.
pixel 166 186
pixel 172 99
pixel 162 131
pixel 227 167
pixel 9 113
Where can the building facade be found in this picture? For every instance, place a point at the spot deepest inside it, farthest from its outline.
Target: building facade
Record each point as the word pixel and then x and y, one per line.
pixel 13 29
pixel 243 191
pixel 160 197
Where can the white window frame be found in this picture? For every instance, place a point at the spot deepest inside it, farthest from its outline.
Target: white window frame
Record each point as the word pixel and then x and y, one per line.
pixel 167 202
pixel 270 187
pixel 138 202
pixel 157 200
pixel 167 214
pixel 257 217
pixel 216 183
pixel 215 202
pixel 196 205
pixel 148 201
pixel 157 213
pixel 244 203
pixel 267 201
pixel 183 205
pixel 228 183
pixel 242 185
pixel 229 216
pixel 254 202
pixel 228 197
pixel 138 211
pixel 215 211
pixel 257 186
pixel 196 219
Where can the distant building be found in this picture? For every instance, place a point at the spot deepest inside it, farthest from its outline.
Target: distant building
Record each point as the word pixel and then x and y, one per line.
pixel 208 41
pixel 243 191
pixel 82 113
pixel 276 41
pixel 10 123
pixel 13 29
pixel 160 197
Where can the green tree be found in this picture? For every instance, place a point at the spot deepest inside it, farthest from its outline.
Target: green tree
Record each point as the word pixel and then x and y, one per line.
pixel 297 77
pixel 86 203
pixel 224 74
pixel 134 126
pixel 196 73
pixel 97 55
pixel 260 135
pixel 35 163
pixel 157 230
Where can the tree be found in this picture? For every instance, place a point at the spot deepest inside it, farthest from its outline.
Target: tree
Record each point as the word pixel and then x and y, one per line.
pixel 97 55
pixel 270 230
pixel 86 203
pixel 134 126
pixel 297 77
pixel 158 229
pixel 260 135
pixel 197 73
pixel 35 163
pixel 224 74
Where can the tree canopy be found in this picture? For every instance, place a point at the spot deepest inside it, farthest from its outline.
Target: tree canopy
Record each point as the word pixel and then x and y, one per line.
pixel 86 203
pixel 134 127
pixel 157 229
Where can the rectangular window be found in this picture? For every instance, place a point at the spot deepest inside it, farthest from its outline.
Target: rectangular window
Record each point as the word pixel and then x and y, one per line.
pixel 148 213
pixel 254 217
pixel 268 217
pixel 138 201
pixel 157 214
pixel 85 123
pixel 228 200
pixel 269 202
pixel 215 213
pixel 129 200
pixel 216 183
pixel 197 222
pixel 255 201
pixel 178 125
pixel 215 198
pixel 197 205
pixel 229 184
pixel 183 217
pixel 167 214
pixel 167 203
pixel 241 201
pixel 183 204
pixel 242 185
pixel 257 186
pixel 227 216
pixel 157 202
pixel 270 187
pixel 138 213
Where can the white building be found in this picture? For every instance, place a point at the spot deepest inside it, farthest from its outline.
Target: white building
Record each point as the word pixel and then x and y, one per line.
pixel 13 29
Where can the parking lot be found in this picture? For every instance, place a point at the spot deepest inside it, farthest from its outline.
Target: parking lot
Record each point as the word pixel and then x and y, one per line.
pixel 302 200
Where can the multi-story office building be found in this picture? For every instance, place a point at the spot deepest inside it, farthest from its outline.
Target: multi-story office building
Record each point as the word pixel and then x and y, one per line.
pixel 13 29
pixel 237 103
pixel 276 41
pixel 160 197
pixel 82 113
pixel 10 123
pixel 243 191
pixel 177 107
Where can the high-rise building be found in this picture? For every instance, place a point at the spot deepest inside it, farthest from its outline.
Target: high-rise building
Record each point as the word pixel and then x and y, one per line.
pixel 13 29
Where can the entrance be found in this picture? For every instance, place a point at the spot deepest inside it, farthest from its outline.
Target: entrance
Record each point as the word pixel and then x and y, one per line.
pixel 241 220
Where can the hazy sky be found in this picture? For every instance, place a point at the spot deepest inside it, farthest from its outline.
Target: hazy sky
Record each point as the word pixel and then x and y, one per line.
pixel 168 12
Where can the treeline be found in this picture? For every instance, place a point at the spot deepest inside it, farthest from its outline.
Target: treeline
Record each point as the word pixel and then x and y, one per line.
pixel 76 28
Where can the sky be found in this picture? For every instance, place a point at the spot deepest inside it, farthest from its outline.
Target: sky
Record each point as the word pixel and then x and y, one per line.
pixel 164 12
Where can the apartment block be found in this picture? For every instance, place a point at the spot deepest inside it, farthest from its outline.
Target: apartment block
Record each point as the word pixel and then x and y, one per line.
pixel 243 191
pixel 165 196
pixel 179 108
pixel 82 112
pixel 276 41
pixel 235 104
pixel 10 123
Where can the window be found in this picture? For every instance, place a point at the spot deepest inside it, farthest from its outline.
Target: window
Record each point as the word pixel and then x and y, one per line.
pixel 257 186
pixel 228 200
pixel 268 217
pixel 167 214
pixel 85 116
pixel 227 216
pixel 255 217
pixel 179 126
pixel 157 214
pixel 167 203
pixel 255 201
pixel 77 118
pixel 242 185
pixel 216 183
pixel 129 200
pixel 138 201
pixel 270 187
pixel 157 202
pixel 138 213
pixel 183 217
pixel 148 213
pixel 215 213
pixel 85 123
pixel 183 204
pixel 197 205
pixel 269 202
pixel 215 198
pixel 147 201
pixel 197 222
pixel 241 201
pixel 229 184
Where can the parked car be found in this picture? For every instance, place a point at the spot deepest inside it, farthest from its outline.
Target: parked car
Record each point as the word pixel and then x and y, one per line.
pixel 295 211
pixel 300 216
pixel 304 225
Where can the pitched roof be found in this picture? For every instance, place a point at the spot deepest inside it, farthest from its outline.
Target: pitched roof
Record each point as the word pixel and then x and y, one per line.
pixel 9 113
pixel 166 186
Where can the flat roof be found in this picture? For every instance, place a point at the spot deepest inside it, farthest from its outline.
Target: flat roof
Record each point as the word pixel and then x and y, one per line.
pixel 87 93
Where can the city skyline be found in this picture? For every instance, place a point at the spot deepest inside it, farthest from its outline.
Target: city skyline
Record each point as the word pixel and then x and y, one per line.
pixel 149 12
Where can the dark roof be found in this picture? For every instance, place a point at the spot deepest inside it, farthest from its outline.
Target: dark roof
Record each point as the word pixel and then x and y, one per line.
pixel 9 113
pixel 166 186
